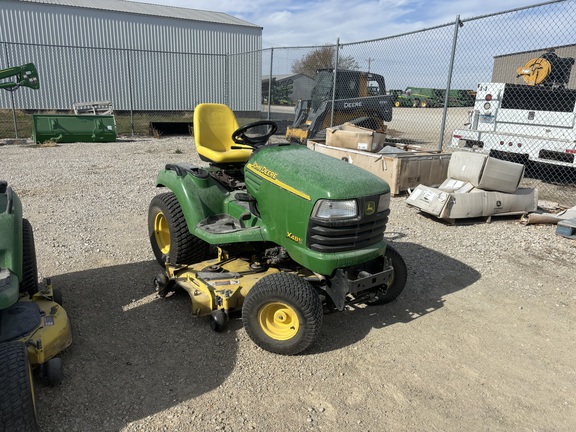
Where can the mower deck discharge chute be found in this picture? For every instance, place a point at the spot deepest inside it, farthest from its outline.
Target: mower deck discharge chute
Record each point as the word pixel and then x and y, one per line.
pixel 296 233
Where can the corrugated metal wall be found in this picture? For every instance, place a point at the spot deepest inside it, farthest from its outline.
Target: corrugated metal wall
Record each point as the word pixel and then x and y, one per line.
pixel 505 66
pixel 138 62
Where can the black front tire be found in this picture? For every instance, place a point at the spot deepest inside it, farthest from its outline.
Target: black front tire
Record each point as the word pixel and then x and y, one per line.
pixel 390 292
pixel 18 407
pixel 174 244
pixel 282 313
pixel 29 283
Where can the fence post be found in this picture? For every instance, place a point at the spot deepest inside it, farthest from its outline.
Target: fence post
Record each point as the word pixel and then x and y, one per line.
pixel 130 93
pixel 227 80
pixel 14 120
pixel 336 59
pixel 457 25
pixel 270 82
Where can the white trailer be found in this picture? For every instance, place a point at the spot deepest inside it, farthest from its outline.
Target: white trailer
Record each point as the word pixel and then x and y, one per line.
pixel 521 123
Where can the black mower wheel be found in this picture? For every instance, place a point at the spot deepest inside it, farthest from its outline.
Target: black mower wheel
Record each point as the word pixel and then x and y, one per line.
pixel 53 371
pixel 389 292
pixel 218 320
pixel 17 402
pixel 29 283
pixel 282 313
pixel 169 235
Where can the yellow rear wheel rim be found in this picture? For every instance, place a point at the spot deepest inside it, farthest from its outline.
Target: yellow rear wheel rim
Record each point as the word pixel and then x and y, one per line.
pixel 162 233
pixel 279 321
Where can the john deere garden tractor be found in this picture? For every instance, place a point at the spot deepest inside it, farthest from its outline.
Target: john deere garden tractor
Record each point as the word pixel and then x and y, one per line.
pixel 34 328
pixel 297 233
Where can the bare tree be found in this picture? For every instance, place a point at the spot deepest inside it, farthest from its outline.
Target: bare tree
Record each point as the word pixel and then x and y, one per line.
pixel 322 58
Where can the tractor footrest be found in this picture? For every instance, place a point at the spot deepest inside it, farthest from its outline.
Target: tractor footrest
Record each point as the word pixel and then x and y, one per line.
pixel 220 224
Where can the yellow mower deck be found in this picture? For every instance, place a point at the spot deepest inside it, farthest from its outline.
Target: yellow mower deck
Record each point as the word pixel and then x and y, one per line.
pixel 218 284
pixel 53 334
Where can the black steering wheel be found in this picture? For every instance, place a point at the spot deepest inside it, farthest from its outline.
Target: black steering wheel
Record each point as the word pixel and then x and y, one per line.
pixel 240 137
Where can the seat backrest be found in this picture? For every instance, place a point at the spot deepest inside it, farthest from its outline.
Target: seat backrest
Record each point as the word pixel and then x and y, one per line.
pixel 214 125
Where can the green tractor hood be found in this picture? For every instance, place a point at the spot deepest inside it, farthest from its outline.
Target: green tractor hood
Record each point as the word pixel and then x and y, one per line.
pixel 289 181
pixel 304 172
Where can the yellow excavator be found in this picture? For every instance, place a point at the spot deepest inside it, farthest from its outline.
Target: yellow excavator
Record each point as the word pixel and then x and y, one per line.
pixel 360 98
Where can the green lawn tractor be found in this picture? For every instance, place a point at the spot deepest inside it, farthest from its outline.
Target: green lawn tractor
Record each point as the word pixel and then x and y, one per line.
pixel 34 327
pixel 276 231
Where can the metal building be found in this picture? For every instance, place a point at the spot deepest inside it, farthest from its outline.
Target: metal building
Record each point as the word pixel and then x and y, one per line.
pixel 142 57
pixel 505 66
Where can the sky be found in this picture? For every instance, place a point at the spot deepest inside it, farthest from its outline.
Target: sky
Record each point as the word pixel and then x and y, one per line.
pixel 303 23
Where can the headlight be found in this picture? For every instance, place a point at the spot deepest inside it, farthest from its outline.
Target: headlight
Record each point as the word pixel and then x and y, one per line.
pixel 328 209
pixel 384 202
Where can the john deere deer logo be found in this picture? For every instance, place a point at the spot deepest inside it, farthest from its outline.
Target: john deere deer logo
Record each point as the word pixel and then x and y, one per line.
pixel 370 208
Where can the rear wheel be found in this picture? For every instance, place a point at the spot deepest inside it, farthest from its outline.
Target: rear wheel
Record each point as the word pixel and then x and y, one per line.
pixel 282 313
pixel 388 293
pixel 29 282
pixel 17 402
pixel 169 235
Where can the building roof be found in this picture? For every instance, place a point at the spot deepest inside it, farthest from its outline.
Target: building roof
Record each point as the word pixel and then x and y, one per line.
pixel 150 9
pixel 541 50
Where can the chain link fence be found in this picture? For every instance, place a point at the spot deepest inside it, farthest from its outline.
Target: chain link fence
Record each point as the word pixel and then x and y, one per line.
pixel 503 84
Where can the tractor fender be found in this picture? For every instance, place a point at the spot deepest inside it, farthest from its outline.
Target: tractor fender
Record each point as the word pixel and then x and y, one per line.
pixel 198 194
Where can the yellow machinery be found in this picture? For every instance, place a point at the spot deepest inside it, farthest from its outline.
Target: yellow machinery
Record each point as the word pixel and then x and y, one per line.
pixel 548 70
pixel 360 98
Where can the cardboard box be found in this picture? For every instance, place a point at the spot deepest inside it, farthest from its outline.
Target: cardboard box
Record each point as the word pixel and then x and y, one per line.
pixel 467 166
pixel 402 170
pixel 502 176
pixel 474 203
pixel 485 172
pixel 355 137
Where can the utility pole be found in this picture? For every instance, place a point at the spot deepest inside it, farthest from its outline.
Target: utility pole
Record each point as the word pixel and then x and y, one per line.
pixel 369 63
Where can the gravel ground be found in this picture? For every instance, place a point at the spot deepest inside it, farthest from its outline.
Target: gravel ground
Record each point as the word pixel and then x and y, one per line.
pixel 482 339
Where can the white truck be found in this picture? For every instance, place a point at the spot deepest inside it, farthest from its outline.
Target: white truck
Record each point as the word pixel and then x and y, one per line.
pixel 520 122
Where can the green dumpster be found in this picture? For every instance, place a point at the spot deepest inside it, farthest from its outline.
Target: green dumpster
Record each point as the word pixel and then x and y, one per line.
pixel 68 128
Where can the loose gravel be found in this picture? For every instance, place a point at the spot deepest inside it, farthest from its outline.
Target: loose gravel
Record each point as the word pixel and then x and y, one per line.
pixel 482 338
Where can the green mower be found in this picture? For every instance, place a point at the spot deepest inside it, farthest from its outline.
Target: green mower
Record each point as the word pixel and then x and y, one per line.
pixel 276 231
pixel 34 328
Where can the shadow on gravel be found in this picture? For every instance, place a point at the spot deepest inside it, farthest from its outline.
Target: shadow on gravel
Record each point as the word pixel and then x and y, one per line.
pixel 133 354
pixel 431 276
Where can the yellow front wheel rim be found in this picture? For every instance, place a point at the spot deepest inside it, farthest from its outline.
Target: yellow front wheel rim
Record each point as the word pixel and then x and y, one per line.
pixel 162 233
pixel 279 321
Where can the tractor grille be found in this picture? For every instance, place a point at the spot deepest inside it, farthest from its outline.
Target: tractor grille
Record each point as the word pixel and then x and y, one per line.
pixel 342 236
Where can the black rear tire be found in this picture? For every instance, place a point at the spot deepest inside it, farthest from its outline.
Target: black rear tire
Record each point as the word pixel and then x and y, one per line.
pixel 282 313
pixel 18 407
pixel 29 283
pixel 390 292
pixel 175 244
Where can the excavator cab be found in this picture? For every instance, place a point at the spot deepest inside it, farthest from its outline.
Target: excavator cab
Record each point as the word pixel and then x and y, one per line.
pixel 360 97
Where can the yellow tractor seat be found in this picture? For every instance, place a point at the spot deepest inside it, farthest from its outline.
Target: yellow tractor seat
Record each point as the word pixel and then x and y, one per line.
pixel 214 125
